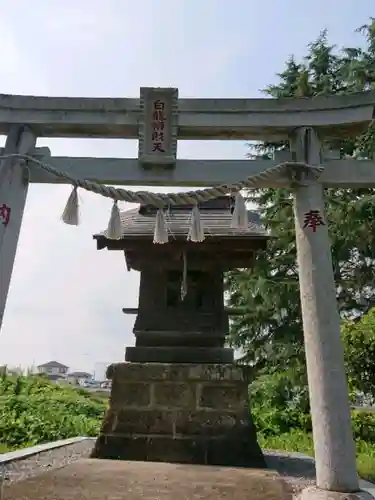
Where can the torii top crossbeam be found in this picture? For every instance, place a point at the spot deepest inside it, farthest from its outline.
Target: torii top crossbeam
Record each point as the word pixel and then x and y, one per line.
pixel 243 119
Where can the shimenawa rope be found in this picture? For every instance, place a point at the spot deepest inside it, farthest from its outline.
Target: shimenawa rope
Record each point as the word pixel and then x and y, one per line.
pixel 70 215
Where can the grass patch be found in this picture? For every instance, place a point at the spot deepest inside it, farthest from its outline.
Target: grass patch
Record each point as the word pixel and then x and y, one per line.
pixel 4 448
pixel 301 442
pixel 104 395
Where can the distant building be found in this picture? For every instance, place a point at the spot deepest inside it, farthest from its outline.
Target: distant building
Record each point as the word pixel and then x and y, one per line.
pixel 79 377
pixel 53 369
pixel 106 385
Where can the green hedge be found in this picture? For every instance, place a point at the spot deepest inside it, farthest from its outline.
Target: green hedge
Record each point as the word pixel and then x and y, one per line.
pixel 34 410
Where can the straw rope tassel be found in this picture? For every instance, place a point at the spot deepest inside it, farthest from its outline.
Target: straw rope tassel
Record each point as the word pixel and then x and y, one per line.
pixel 161 230
pixel 184 285
pixel 196 231
pixel 71 211
pixel 114 231
pixel 239 217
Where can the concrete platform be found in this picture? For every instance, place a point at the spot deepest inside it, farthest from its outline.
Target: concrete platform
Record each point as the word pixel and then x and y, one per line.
pixel 117 480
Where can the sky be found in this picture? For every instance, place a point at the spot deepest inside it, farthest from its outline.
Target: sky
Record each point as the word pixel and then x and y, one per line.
pixel 66 297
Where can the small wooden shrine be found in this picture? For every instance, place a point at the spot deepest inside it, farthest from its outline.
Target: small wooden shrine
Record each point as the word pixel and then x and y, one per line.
pixel 179 397
pixel 181 315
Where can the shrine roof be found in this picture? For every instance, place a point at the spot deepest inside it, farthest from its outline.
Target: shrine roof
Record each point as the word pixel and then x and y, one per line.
pixel 216 216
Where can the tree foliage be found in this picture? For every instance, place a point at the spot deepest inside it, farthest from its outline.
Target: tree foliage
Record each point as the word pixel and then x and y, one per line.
pixel 270 330
pixel 359 343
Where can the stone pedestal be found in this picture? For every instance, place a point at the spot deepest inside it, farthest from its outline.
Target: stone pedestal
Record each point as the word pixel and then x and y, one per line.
pixel 181 413
pixel 178 354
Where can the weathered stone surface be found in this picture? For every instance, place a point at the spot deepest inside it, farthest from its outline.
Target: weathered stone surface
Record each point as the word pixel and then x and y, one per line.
pixel 233 450
pixel 118 447
pixel 205 423
pixel 110 421
pixel 223 396
pixel 174 395
pixel 112 480
pixel 179 450
pixel 151 421
pixel 195 414
pixel 131 393
pixel 150 448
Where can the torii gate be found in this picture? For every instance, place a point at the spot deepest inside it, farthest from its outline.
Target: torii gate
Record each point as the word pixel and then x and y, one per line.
pixel 158 119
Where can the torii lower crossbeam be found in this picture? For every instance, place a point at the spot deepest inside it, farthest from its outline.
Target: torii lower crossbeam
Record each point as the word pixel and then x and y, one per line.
pixel 197 173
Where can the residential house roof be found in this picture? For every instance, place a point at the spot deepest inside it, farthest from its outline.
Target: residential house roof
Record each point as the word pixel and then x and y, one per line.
pixel 52 364
pixel 80 375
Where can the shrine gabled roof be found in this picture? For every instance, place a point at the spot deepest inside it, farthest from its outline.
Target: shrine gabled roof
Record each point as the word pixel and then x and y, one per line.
pixel 216 218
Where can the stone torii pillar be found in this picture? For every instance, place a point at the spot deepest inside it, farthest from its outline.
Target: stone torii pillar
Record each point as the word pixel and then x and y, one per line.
pixel 14 182
pixel 330 409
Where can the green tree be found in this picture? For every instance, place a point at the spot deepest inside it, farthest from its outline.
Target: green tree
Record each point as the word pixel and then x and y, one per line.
pixel 359 343
pixel 270 330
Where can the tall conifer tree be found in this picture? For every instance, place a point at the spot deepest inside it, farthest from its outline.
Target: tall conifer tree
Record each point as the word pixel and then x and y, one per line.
pixel 270 330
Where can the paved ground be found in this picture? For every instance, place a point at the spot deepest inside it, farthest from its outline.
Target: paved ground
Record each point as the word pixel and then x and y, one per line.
pixel 46 460
pixel 296 469
pixel 117 480
pixel 365 485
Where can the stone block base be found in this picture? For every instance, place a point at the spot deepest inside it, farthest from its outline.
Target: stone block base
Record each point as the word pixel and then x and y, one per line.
pixel 181 413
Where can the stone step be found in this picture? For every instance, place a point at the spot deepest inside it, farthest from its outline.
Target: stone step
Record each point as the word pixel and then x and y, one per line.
pixel 154 354
pixel 170 338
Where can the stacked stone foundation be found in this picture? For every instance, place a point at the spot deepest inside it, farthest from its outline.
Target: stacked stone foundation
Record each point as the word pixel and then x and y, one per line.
pixel 179 413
